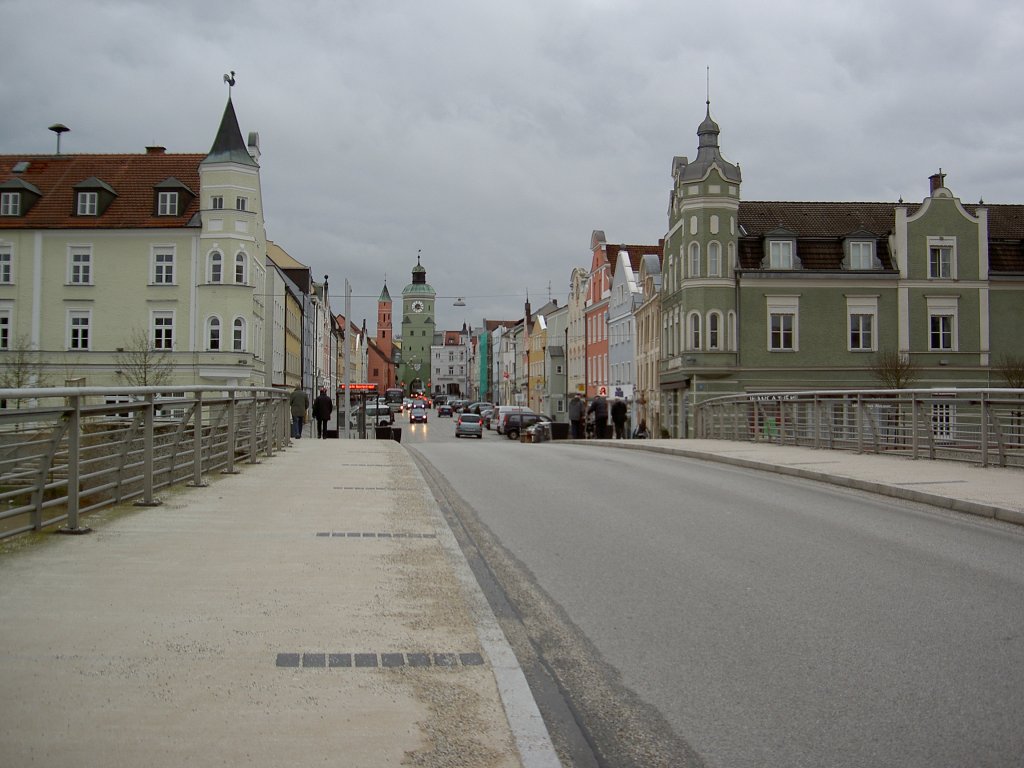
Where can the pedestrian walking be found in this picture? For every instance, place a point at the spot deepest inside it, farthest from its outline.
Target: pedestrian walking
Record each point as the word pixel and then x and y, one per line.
pixel 599 407
pixel 576 417
pixel 299 403
pixel 619 418
pixel 322 408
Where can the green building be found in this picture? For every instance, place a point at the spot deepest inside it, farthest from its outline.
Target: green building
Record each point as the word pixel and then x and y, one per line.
pixel 816 295
pixel 417 332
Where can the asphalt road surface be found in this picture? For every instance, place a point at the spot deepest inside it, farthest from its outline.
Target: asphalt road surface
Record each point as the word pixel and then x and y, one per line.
pixel 689 613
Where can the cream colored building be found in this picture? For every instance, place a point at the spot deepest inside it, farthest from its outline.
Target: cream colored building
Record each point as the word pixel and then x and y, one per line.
pixel 119 268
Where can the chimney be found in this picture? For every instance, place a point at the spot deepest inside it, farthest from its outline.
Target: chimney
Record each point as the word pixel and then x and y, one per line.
pixel 937 180
pixel 156 150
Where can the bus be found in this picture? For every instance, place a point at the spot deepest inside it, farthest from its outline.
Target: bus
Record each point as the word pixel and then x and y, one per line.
pixel 393 396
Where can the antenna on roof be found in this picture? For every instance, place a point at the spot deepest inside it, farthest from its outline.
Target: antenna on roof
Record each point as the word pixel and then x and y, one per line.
pixel 230 80
pixel 59 128
pixel 707 87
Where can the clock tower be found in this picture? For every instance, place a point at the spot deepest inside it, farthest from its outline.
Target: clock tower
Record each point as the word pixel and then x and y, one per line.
pixel 417 332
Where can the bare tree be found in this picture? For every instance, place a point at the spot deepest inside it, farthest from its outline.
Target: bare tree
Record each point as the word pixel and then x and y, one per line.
pixel 140 365
pixel 895 370
pixel 1011 368
pixel 22 367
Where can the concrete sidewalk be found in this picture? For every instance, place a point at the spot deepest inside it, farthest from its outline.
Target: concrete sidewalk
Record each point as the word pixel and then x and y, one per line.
pixel 987 491
pixel 314 610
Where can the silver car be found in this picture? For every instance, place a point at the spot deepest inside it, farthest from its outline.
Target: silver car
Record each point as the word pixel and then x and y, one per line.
pixel 469 424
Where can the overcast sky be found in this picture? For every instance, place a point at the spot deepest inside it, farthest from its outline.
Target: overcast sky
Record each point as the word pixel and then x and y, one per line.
pixel 496 136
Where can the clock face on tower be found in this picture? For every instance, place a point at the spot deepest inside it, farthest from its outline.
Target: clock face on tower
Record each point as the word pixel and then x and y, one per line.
pixel 417 306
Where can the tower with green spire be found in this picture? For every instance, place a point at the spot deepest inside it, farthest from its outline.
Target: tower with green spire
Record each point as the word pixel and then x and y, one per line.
pixel 417 331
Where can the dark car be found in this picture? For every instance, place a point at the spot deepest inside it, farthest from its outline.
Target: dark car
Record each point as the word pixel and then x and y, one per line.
pixel 515 423
pixel 418 414
pixel 469 424
pixel 444 410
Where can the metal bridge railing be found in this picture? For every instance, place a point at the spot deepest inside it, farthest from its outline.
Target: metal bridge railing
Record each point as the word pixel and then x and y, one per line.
pixel 984 426
pixel 67 451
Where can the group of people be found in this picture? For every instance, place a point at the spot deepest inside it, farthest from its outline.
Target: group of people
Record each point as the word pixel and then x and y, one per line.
pixel 580 415
pixel 323 407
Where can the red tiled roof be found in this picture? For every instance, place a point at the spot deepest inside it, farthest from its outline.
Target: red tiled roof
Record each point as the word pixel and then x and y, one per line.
pixel 133 177
pixel 634 251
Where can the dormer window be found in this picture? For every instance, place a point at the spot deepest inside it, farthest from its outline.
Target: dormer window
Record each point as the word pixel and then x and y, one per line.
pixel 92 197
pixel 10 203
pixel 862 255
pixel 780 254
pixel 88 203
pixel 167 204
pixel 171 197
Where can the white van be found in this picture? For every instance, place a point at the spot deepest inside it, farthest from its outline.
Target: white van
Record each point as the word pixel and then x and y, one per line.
pixel 501 411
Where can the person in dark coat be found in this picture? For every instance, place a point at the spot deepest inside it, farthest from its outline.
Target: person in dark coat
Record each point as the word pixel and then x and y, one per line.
pixel 599 407
pixel 298 402
pixel 576 417
pixel 619 418
pixel 322 408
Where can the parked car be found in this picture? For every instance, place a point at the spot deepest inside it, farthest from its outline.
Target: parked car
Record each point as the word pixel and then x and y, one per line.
pixel 478 406
pixel 485 417
pixel 469 424
pixel 418 414
pixel 515 423
pixel 502 411
pixel 377 414
pixel 444 410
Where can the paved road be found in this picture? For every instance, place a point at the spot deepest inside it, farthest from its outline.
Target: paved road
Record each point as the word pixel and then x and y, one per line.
pixel 758 620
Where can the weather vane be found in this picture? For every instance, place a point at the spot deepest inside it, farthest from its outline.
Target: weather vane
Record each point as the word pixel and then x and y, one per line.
pixel 230 80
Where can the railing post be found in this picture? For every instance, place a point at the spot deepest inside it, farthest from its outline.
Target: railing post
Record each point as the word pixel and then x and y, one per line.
pixel 148 451
pixel 253 430
pixel 230 459
pixel 74 458
pixel 197 444
pixel 269 419
pixel 859 406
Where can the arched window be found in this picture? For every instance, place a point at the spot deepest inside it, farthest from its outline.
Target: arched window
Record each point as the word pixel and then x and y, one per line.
pixel 238 335
pixel 714 260
pixel 240 264
pixel 694 324
pixel 213 333
pixel 694 259
pixel 216 270
pixel 714 330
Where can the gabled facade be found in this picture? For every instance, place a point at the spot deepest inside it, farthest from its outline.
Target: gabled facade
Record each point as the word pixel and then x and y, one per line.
pixel 783 295
pixel 648 344
pixel 576 345
pixel 103 257
pixel 623 302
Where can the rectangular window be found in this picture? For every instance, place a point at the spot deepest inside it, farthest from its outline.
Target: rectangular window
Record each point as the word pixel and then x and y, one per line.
pixel 80 266
pixel 167 204
pixel 781 331
pixel 940 333
pixel 6 266
pixel 862 255
pixel 87 203
pixel 163 330
pixel 5 329
pixel 861 332
pixel 942 258
pixel 241 203
pixel 780 254
pixel 10 203
pixel 163 268
pixel 78 329
pixel 217 202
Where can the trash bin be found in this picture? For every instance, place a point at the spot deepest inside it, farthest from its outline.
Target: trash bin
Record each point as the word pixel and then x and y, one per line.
pixel 396 434
pixel 382 433
pixel 559 430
